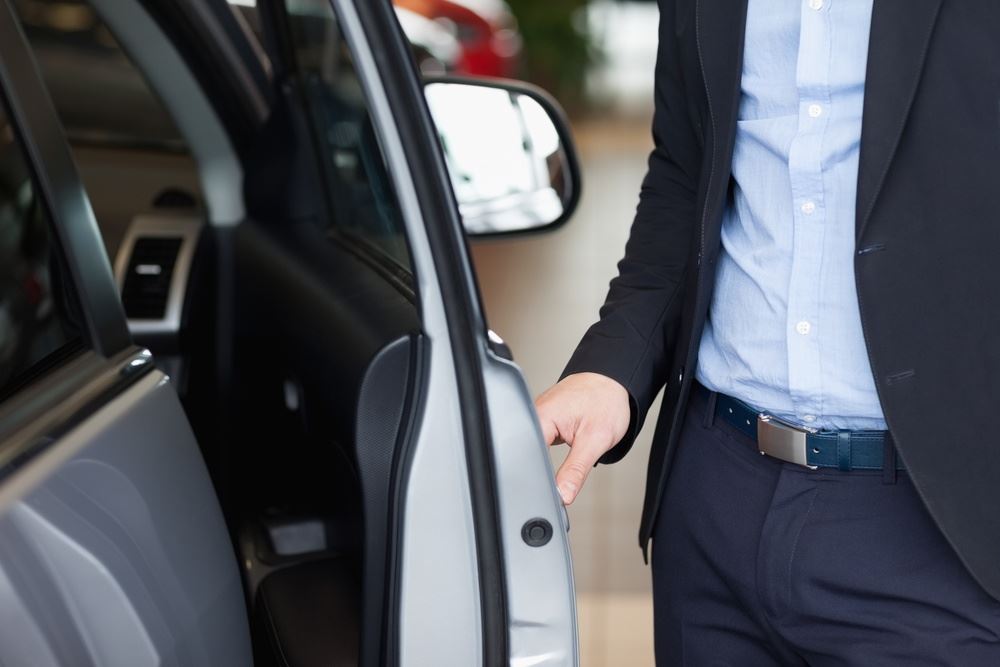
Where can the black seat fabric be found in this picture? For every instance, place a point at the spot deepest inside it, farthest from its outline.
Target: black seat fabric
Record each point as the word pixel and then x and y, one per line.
pixel 309 612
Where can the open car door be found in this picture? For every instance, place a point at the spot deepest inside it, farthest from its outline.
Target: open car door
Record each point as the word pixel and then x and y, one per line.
pixel 479 414
pixel 113 549
pixel 355 294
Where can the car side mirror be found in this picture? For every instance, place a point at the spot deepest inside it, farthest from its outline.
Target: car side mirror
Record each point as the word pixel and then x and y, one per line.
pixel 509 152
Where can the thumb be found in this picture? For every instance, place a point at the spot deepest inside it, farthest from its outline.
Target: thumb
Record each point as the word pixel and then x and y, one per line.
pixel 582 458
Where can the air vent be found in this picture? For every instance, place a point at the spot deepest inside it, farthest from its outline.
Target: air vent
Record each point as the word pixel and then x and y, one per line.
pixel 146 287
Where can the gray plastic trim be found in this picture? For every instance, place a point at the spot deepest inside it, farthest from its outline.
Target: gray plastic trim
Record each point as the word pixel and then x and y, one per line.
pixel 185 228
pixel 219 167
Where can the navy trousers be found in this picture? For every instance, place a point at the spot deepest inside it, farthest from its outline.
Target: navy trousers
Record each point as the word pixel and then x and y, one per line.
pixel 759 563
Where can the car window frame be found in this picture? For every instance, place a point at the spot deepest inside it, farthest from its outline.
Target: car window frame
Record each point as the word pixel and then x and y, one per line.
pixel 72 388
pixel 57 269
pixel 33 116
pixel 373 29
pixel 278 36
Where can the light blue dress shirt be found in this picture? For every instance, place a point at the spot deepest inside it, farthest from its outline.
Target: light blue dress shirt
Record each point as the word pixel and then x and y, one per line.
pixel 784 331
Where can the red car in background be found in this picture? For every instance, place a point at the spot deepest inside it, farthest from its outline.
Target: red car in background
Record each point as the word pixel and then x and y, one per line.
pixel 485 30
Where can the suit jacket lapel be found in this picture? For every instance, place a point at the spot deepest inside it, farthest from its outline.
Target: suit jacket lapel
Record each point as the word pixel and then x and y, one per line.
pixel 720 27
pixel 900 34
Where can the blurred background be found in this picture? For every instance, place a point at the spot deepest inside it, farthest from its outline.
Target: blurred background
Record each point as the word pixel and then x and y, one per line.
pixel 542 292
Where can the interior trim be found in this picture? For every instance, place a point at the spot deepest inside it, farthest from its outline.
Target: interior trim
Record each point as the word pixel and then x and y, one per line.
pixel 219 167
pixel 187 229
pixel 381 263
pixel 416 403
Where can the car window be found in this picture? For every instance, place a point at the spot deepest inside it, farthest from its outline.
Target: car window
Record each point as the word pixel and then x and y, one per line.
pixel 130 154
pixel 100 96
pixel 362 201
pixel 38 321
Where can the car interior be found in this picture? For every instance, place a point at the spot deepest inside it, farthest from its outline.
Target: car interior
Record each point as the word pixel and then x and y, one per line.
pixel 266 268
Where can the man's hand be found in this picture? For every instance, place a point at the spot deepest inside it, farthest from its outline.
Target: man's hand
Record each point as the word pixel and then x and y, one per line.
pixel 590 413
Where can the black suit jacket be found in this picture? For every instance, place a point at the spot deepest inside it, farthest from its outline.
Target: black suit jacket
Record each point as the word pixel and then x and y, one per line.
pixel 928 247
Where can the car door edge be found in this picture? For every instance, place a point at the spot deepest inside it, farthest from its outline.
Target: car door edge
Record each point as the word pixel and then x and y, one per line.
pixel 33 421
pixel 379 47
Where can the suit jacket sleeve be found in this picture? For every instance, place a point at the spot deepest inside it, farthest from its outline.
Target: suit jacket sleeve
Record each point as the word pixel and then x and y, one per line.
pixel 631 341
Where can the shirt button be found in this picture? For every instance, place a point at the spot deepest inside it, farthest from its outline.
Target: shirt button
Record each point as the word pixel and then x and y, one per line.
pixel 815 111
pixel 809 419
pixel 809 207
pixel 816 4
pixel 803 327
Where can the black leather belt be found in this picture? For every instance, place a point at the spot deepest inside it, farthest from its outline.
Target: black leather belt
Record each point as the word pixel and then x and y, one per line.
pixel 844 450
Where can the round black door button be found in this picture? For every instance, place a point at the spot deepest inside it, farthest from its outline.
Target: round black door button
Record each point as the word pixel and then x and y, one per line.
pixel 536 532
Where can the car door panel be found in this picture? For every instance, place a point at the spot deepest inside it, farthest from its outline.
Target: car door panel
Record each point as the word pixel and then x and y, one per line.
pixel 449 550
pixel 319 320
pixel 539 574
pixel 312 312
pixel 525 611
pixel 117 553
pixel 470 470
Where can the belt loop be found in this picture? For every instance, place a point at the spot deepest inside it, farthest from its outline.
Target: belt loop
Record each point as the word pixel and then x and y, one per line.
pixel 844 450
pixel 709 419
pixel 888 459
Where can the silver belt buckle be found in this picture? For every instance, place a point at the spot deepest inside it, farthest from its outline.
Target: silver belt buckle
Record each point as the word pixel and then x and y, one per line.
pixel 782 440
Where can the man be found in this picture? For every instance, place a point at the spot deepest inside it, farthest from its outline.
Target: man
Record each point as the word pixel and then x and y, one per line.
pixel 813 274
